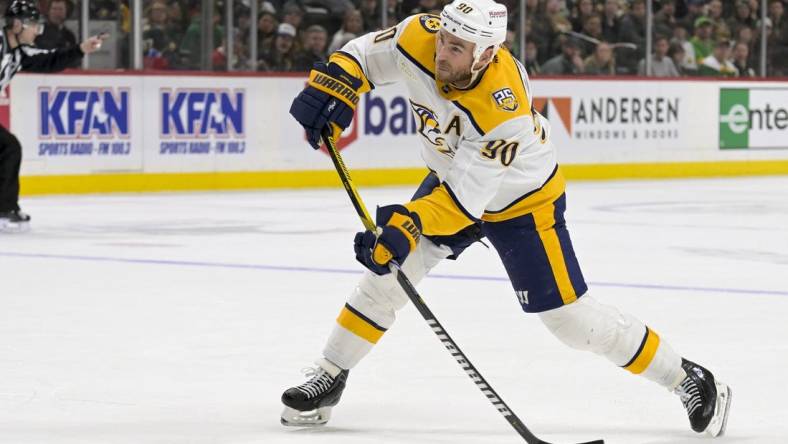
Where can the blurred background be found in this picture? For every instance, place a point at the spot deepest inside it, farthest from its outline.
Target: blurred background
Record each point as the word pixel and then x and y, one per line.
pixel 684 38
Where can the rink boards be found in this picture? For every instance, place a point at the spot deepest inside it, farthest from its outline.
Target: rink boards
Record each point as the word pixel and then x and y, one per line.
pixel 169 131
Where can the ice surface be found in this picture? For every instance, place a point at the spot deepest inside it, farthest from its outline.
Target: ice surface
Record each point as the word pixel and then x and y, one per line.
pixel 180 318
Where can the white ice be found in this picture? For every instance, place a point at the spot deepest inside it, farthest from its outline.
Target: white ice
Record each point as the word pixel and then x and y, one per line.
pixel 180 318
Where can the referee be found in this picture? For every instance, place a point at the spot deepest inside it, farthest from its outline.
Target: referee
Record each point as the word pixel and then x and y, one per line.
pixel 17 53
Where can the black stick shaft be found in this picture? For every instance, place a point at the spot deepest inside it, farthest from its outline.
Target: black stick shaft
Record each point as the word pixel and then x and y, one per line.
pixel 463 360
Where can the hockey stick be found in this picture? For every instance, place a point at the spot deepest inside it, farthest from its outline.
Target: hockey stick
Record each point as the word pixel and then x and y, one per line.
pixel 425 311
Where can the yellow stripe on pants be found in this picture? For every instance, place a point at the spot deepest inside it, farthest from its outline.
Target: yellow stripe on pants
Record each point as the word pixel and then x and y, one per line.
pixel 544 218
pixel 359 326
pixel 642 361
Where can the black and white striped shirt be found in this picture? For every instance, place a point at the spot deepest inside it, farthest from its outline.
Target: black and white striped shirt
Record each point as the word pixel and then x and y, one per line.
pixel 32 59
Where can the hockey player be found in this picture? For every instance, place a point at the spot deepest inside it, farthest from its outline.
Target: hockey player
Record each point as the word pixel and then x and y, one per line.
pixel 22 25
pixel 493 174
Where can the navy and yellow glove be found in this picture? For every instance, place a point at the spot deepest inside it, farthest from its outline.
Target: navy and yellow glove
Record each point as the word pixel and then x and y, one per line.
pixel 398 234
pixel 330 98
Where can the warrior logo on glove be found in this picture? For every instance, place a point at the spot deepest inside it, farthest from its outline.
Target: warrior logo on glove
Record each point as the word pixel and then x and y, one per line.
pixel 398 233
pixel 329 101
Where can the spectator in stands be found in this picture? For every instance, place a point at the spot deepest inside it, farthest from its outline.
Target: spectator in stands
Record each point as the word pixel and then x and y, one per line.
pixel 370 15
pixel 601 62
pixel 741 18
pixel 592 27
pixel 689 63
pixel 532 58
pixel 755 6
pixel 219 56
pixel 280 58
pixel 241 58
pixel 191 45
pixel 531 8
pixel 741 56
pixel 315 43
pixel 352 27
pixel 661 64
pixel 160 40
pixel 665 18
pixel 267 6
pixel 394 15
pixel 694 12
pixel 176 19
pixel 633 30
pixel 777 14
pixel 557 16
pixel 266 31
pixel 583 10
pixel 611 22
pixel 338 7
pixel 677 55
pixel 511 43
pixel 778 39
pixel 55 34
pixel 702 42
pixel 721 29
pixel 292 14
pixel 746 35
pixel 718 64
pixel 427 7
pixel 540 30
pixel 242 20
pixel 568 62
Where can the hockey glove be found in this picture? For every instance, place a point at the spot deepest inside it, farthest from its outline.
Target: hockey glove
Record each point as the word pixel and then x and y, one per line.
pixel 330 98
pixel 397 235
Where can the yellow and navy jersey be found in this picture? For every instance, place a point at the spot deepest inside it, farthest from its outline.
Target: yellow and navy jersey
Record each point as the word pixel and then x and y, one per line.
pixel 490 149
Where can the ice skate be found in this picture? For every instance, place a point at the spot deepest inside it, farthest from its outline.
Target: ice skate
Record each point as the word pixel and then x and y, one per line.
pixel 707 400
pixel 309 404
pixel 14 221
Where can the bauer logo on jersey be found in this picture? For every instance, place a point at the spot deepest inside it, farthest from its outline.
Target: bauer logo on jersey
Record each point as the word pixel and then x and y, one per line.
pixel 431 23
pixel 201 112
pixel 505 100
pixel 78 113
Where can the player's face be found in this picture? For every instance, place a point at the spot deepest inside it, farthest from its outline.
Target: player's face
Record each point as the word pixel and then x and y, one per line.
pixel 453 58
pixel 30 29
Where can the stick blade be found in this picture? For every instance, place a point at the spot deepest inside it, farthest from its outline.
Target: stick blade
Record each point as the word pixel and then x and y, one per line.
pixel 598 441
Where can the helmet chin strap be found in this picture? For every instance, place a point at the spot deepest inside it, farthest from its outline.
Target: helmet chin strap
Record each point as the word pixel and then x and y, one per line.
pixel 477 55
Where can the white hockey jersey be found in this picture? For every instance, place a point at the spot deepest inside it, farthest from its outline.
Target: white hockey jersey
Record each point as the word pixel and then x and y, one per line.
pixel 489 147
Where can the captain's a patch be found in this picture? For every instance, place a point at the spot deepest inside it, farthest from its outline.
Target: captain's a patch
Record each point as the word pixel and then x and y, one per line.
pixel 505 100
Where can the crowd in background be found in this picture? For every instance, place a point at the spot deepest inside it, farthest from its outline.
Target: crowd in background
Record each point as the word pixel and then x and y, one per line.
pixel 563 37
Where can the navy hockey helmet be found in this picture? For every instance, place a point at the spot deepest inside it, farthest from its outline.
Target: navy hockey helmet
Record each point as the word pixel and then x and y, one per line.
pixel 22 10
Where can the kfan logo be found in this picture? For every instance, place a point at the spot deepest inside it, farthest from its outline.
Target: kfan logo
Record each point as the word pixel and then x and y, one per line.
pixel 189 113
pixel 79 113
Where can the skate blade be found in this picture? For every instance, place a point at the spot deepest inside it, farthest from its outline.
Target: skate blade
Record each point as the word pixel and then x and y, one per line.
pixel 312 418
pixel 719 422
pixel 14 227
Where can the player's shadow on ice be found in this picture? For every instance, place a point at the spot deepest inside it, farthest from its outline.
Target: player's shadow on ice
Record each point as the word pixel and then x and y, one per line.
pixel 419 435
pixel 479 435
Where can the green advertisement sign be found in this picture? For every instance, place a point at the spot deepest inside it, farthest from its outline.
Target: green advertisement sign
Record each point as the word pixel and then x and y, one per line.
pixel 753 118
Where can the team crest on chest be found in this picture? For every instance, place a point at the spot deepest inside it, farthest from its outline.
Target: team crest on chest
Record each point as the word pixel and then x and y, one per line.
pixel 431 23
pixel 428 124
pixel 429 128
pixel 505 100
